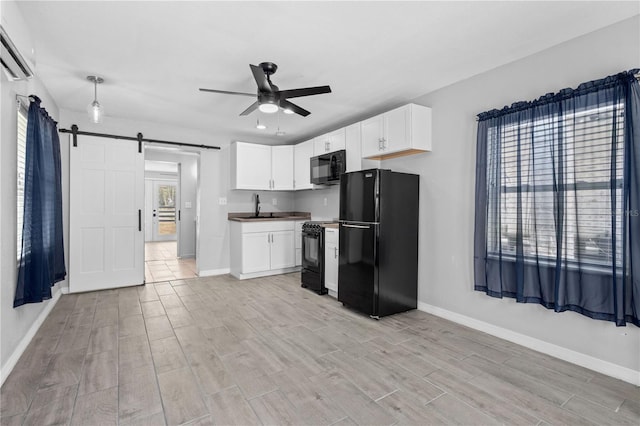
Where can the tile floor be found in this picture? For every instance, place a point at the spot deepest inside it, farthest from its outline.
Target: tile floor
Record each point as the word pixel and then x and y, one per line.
pixel 161 263
pixel 216 350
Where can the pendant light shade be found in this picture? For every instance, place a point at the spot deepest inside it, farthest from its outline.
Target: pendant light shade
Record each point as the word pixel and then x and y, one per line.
pixel 95 110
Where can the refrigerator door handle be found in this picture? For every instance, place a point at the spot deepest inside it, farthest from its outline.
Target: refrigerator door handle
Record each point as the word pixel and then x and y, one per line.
pixel 355 226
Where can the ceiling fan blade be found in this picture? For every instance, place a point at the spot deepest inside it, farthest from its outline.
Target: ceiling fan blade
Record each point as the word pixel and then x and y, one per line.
pixel 228 93
pixel 307 91
pixel 261 79
pixel 293 107
pixel 251 108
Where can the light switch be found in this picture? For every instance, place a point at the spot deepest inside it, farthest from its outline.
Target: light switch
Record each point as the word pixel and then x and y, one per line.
pixel 275 202
pixel 222 201
pixel 187 204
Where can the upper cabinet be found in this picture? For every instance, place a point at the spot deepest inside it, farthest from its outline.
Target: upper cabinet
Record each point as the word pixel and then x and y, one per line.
pixel 282 168
pixel 353 145
pixel 402 131
pixel 302 171
pixel 250 166
pixel 329 142
pixel 261 167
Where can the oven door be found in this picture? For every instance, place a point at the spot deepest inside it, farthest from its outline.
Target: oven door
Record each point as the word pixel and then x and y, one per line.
pixel 311 253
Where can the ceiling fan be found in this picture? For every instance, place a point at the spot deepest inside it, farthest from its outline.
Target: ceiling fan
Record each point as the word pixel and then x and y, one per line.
pixel 270 97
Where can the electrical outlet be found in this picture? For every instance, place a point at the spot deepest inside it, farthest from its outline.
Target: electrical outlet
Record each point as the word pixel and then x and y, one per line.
pixel 325 201
pixel 222 201
pixel 187 204
pixel 274 201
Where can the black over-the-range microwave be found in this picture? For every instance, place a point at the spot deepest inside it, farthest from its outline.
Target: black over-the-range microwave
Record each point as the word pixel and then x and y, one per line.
pixel 327 168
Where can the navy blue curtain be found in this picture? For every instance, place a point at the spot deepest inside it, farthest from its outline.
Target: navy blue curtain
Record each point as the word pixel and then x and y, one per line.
pixel 557 218
pixel 42 262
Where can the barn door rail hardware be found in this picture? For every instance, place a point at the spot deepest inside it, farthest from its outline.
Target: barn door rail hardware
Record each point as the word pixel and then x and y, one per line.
pixel 139 138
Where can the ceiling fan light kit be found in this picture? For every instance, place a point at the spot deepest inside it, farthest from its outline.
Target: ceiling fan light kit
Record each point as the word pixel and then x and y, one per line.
pixel 270 98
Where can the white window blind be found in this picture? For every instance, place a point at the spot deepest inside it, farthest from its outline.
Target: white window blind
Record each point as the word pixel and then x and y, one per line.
pixel 21 154
pixel 558 163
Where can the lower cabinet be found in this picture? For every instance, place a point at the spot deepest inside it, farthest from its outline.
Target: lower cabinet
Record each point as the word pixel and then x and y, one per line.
pixel 298 242
pixel 262 248
pixel 331 245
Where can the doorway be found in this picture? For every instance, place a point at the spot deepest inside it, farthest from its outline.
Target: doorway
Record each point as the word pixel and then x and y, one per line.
pixel 165 258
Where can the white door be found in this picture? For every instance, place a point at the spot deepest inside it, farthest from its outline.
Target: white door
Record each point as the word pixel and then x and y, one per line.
pixel 164 213
pixel 106 202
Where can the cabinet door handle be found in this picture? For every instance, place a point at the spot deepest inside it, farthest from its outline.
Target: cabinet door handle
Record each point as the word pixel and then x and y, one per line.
pixel 335 252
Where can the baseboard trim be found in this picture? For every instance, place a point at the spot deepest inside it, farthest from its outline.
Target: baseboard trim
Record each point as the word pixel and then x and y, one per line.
pixel 8 366
pixel 212 272
pixel 250 275
pixel 586 361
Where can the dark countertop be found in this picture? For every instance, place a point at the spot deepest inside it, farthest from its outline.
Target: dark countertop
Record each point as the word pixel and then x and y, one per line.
pixel 266 216
pixel 334 225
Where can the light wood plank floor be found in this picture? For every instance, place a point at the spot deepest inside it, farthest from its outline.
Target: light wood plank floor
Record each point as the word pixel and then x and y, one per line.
pixel 265 351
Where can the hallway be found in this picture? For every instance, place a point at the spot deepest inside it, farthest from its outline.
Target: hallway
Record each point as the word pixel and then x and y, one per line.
pixel 161 263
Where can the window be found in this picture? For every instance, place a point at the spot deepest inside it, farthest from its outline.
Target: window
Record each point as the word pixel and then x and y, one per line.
pixel 559 161
pixel 21 154
pixel 558 200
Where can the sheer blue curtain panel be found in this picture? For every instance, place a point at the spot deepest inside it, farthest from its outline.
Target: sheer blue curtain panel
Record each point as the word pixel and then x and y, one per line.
pixel 41 263
pixel 557 218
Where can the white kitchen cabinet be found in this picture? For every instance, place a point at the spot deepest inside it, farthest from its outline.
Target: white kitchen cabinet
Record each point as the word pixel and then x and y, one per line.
pixel 256 250
pixel 282 168
pixel 329 142
pixel 353 145
pixel 402 131
pixel 331 239
pixel 283 249
pixel 302 170
pixel 298 241
pixel 250 166
pixel 261 167
pixel 262 248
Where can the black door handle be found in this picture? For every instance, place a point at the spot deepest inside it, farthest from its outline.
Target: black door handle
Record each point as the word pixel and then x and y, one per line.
pixel 140 220
pixel 179 215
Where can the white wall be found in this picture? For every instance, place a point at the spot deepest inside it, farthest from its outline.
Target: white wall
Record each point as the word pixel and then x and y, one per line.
pixel 15 323
pixel 323 204
pixel 447 179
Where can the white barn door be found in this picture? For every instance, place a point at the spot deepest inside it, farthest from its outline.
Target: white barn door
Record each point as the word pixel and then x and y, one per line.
pixel 106 203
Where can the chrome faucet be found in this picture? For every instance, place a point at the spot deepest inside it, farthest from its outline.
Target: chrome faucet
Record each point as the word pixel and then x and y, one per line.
pixel 257 205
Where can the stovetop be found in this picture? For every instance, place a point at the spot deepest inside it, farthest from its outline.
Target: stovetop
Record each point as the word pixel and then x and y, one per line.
pixel 315 225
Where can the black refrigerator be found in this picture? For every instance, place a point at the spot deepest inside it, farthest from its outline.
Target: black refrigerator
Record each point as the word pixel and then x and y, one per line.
pixel 378 269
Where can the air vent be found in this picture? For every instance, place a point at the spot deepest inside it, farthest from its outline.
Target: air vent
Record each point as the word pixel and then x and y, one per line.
pixel 14 65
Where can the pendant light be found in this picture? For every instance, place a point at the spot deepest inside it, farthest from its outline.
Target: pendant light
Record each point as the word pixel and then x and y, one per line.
pixel 260 126
pixel 94 109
